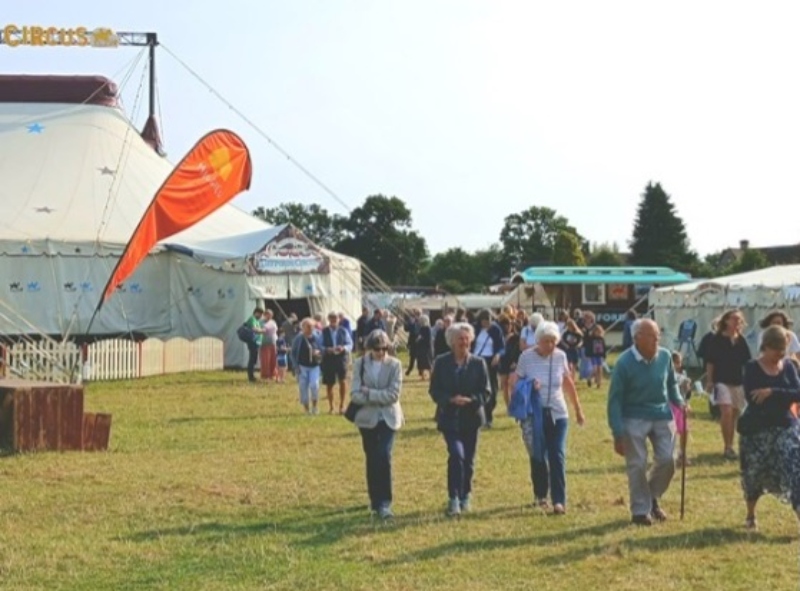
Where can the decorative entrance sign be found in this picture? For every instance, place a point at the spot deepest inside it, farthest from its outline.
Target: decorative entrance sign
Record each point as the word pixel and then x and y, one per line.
pixel 290 252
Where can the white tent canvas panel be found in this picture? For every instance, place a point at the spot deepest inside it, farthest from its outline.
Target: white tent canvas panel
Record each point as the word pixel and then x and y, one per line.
pixel 755 293
pixel 58 294
pixel 82 179
pixel 229 284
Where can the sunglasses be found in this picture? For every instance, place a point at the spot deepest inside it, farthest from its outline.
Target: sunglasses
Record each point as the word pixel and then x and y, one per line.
pixel 380 348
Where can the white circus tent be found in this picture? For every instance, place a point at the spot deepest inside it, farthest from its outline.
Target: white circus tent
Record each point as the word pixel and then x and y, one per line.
pixel 755 293
pixel 75 179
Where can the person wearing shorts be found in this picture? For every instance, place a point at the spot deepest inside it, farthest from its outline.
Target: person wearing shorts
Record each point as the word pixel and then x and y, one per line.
pixel 337 343
pixel 726 357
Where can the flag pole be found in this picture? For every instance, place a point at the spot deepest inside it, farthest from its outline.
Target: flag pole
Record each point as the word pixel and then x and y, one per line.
pixel 684 437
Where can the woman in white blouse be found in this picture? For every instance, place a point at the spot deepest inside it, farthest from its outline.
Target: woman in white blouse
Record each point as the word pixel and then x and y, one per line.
pixel 545 433
pixel 377 379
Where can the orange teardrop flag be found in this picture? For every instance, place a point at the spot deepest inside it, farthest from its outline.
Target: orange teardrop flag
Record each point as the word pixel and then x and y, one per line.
pixel 215 170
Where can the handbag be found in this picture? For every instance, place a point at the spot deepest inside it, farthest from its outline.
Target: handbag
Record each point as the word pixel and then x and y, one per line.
pixel 246 334
pixel 353 407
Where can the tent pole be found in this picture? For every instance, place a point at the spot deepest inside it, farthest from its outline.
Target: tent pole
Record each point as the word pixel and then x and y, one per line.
pixel 152 42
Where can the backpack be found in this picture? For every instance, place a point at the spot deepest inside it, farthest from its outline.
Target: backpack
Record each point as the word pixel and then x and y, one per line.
pixel 246 334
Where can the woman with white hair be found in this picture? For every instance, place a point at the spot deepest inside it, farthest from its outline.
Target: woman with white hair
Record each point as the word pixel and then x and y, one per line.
pixel 546 366
pixel 460 387
pixel 377 379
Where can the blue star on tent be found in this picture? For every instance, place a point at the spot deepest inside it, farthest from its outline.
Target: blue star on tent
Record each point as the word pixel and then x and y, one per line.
pixel 106 170
pixel 35 128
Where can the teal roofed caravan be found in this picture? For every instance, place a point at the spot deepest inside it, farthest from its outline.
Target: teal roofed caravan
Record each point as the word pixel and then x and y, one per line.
pixel 608 292
pixel 600 275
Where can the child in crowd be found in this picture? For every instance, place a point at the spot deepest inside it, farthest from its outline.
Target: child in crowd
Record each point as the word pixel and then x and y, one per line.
pixel 283 356
pixel 595 349
pixel 685 387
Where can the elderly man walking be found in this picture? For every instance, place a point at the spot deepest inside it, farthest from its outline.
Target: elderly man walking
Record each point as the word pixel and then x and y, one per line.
pixel 642 386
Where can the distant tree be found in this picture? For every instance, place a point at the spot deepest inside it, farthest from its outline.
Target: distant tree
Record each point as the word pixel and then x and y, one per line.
pixel 708 267
pixel 314 221
pixel 605 255
pixel 659 234
pixel 452 286
pixel 490 266
pixel 455 265
pixel 529 237
pixel 751 260
pixel 379 234
pixel 567 250
pixel 471 271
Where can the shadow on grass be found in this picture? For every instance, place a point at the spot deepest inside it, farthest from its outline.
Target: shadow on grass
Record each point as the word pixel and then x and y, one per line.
pixel 190 420
pixel 300 415
pixel 313 528
pixel 713 459
pixel 618 468
pixel 696 540
pixel 471 547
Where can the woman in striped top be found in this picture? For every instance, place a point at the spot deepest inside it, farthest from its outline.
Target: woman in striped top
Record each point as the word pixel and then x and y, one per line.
pixel 547 366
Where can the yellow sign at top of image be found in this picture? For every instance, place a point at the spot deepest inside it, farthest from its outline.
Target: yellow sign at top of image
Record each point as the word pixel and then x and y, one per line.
pixel 14 36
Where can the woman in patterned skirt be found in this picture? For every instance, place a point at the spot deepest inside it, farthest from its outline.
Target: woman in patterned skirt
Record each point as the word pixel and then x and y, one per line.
pixel 769 433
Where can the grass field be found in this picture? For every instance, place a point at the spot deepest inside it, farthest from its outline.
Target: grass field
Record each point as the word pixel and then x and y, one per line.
pixel 212 483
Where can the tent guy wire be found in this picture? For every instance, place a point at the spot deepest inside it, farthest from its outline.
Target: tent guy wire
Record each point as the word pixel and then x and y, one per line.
pixel 316 180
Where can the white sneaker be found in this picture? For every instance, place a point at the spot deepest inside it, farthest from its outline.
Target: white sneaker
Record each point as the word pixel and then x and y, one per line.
pixel 453 508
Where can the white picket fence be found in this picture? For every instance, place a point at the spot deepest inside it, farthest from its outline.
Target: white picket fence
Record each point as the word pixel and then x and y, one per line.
pixel 113 359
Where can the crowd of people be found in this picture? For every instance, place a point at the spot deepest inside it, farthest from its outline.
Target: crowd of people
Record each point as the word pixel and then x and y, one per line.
pixel 535 363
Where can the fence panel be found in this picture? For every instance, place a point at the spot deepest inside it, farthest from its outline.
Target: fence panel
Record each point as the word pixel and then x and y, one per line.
pixel 177 355
pixel 113 359
pixel 207 354
pixel 47 361
pixel 151 358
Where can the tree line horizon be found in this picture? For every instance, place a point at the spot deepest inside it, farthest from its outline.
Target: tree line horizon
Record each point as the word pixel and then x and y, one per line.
pixel 380 234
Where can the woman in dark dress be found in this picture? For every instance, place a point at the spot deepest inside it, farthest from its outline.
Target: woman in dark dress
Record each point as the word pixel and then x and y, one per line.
pixel 769 433
pixel 424 346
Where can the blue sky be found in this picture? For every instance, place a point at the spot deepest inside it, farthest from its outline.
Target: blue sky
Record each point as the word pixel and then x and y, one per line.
pixel 470 110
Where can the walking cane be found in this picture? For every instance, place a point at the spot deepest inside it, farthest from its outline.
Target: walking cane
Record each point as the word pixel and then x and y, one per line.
pixel 684 437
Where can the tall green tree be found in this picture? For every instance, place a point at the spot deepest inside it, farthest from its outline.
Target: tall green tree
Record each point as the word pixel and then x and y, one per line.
pixel 529 237
pixel 490 265
pixel 458 271
pixel 455 266
pixel 314 221
pixel 567 251
pixel 379 234
pixel 659 234
pixel 605 255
